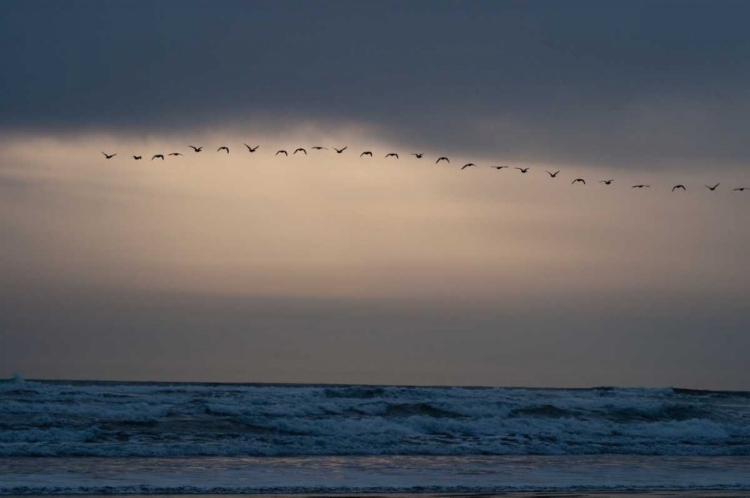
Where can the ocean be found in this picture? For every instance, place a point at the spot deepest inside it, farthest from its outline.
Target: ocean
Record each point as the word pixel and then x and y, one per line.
pixel 75 437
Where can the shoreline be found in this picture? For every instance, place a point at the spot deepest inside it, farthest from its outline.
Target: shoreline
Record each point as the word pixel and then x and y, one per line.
pixel 511 494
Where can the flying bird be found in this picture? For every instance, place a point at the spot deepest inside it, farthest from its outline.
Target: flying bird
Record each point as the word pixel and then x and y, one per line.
pixel 366 153
pixel 523 170
pixel 578 180
pixel 640 186
pixel 339 151
pixel 109 156
pixel 741 189
pixel 160 156
pixel 137 158
pixel 678 186
pixel 443 158
pixel 553 175
pixel 251 149
pixel 282 152
pixel 223 148
pixel 713 188
pixel 391 154
pixel 196 149
pixel 467 165
pixel 418 154
pixel 300 150
pixel 174 154
pixel 606 182
pixel 499 167
pixel 318 147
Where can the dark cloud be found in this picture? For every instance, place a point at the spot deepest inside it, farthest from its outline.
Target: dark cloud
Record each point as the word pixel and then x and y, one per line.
pixel 623 83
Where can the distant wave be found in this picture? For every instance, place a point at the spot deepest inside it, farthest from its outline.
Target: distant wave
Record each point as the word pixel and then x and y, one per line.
pixel 154 419
pixel 306 490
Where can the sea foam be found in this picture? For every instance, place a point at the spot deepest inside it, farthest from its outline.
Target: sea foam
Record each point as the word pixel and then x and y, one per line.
pixel 153 419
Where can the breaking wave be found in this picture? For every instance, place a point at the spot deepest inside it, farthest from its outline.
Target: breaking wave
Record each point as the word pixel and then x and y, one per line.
pixel 39 418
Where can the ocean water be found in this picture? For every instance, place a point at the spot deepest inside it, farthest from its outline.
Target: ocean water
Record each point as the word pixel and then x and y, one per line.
pixel 108 437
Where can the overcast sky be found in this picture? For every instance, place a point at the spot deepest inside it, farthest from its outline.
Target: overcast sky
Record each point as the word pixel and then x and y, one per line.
pixel 332 268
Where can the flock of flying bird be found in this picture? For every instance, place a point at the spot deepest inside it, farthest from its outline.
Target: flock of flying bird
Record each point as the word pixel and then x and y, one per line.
pixel 418 155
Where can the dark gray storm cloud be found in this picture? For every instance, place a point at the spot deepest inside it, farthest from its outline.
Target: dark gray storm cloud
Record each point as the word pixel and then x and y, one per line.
pixel 621 83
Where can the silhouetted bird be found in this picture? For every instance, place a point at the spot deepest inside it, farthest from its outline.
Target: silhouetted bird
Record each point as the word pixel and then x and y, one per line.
pixel 366 153
pixel 137 158
pixel 578 180
pixel 251 149
pixel 467 165
pixel 300 150
pixel 713 188
pixel 418 154
pixel 499 167
pixel 339 151
pixel 174 154
pixel 606 182
pixel 391 154
pixel 223 148
pixel 741 189
pixel 160 156
pixel 523 170
pixel 553 175
pixel 443 158
pixel 640 186
pixel 318 147
pixel 678 186
pixel 109 156
pixel 282 152
pixel 196 149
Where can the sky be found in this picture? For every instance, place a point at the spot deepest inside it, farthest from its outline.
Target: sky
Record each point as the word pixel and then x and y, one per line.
pixel 339 269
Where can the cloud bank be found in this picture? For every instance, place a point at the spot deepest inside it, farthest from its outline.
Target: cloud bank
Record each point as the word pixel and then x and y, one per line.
pixel 632 84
